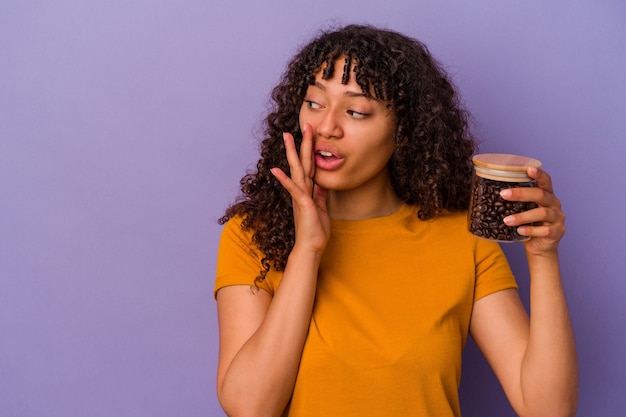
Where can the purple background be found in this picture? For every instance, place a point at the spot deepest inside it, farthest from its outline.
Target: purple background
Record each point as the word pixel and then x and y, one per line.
pixel 125 126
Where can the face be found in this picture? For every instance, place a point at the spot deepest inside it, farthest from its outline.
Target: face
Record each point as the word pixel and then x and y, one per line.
pixel 353 135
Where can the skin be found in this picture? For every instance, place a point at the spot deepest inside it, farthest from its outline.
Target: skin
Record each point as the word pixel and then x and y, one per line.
pixel 534 358
pixel 262 337
pixel 360 132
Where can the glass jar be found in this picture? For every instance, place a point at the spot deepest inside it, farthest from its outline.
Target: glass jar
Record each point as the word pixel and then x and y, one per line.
pixel 492 174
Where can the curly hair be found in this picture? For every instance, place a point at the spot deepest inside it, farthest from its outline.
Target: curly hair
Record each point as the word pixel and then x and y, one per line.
pixel 431 165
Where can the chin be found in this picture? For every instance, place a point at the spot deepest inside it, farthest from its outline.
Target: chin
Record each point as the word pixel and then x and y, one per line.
pixel 328 184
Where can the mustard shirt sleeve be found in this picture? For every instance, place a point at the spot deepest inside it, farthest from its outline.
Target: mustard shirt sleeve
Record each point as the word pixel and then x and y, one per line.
pixel 493 272
pixel 238 260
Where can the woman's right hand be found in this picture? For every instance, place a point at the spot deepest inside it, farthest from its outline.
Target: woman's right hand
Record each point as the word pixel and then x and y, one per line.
pixel 262 335
pixel 312 223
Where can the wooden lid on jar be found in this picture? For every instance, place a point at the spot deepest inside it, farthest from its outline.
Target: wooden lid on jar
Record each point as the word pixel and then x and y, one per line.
pixel 504 167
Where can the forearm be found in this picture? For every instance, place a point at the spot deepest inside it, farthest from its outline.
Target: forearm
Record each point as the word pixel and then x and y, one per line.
pixel 549 374
pixel 260 378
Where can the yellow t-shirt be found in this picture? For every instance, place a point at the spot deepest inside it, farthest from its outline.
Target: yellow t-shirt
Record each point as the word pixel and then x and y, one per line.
pixel 391 315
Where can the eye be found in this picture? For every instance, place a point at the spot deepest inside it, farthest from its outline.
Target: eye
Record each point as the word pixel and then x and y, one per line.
pixel 312 105
pixel 357 114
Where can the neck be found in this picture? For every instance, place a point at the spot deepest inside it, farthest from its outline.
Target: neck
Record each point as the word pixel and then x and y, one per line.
pixel 350 205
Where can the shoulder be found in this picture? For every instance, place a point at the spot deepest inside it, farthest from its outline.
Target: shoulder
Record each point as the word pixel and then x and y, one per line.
pixel 236 239
pixel 239 260
pixel 234 229
pixel 452 225
pixel 239 252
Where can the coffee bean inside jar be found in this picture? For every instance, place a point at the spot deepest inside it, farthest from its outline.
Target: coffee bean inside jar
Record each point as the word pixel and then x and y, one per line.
pixel 492 174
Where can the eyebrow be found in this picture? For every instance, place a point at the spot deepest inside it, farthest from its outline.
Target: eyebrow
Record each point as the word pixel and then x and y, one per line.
pixel 347 93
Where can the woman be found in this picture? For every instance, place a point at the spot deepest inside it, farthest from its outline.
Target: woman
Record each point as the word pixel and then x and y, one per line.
pixel 346 279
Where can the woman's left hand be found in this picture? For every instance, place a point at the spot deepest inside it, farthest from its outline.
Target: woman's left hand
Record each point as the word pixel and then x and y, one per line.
pixel 550 220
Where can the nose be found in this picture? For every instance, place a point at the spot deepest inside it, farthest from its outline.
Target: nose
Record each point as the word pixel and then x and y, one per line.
pixel 329 125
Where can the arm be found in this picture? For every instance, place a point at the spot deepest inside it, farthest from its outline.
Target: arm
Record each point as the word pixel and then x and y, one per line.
pixel 261 340
pixel 534 358
pixel 262 337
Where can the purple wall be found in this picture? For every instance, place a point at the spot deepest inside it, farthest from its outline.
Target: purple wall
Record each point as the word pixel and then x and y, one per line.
pixel 126 125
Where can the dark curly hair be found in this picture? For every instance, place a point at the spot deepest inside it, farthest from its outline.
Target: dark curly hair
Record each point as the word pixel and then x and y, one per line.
pixel 431 164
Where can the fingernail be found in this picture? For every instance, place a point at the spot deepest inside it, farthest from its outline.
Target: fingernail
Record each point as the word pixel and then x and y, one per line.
pixel 509 219
pixel 532 170
pixel 506 193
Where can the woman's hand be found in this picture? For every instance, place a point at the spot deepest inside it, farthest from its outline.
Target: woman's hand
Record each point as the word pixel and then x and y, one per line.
pixel 535 361
pixel 312 223
pixel 550 220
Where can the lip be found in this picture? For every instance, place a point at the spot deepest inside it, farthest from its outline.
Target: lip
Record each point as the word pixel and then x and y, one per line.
pixel 327 163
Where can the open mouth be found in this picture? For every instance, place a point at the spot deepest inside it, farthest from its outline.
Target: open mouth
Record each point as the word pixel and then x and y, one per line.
pixel 327 160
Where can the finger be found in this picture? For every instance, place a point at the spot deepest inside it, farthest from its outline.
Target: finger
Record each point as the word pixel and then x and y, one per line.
pixel 543 179
pixel 536 195
pixel 306 151
pixel 539 215
pixel 552 228
pixel 320 196
pixel 295 166
pixel 294 190
pixel 541 231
